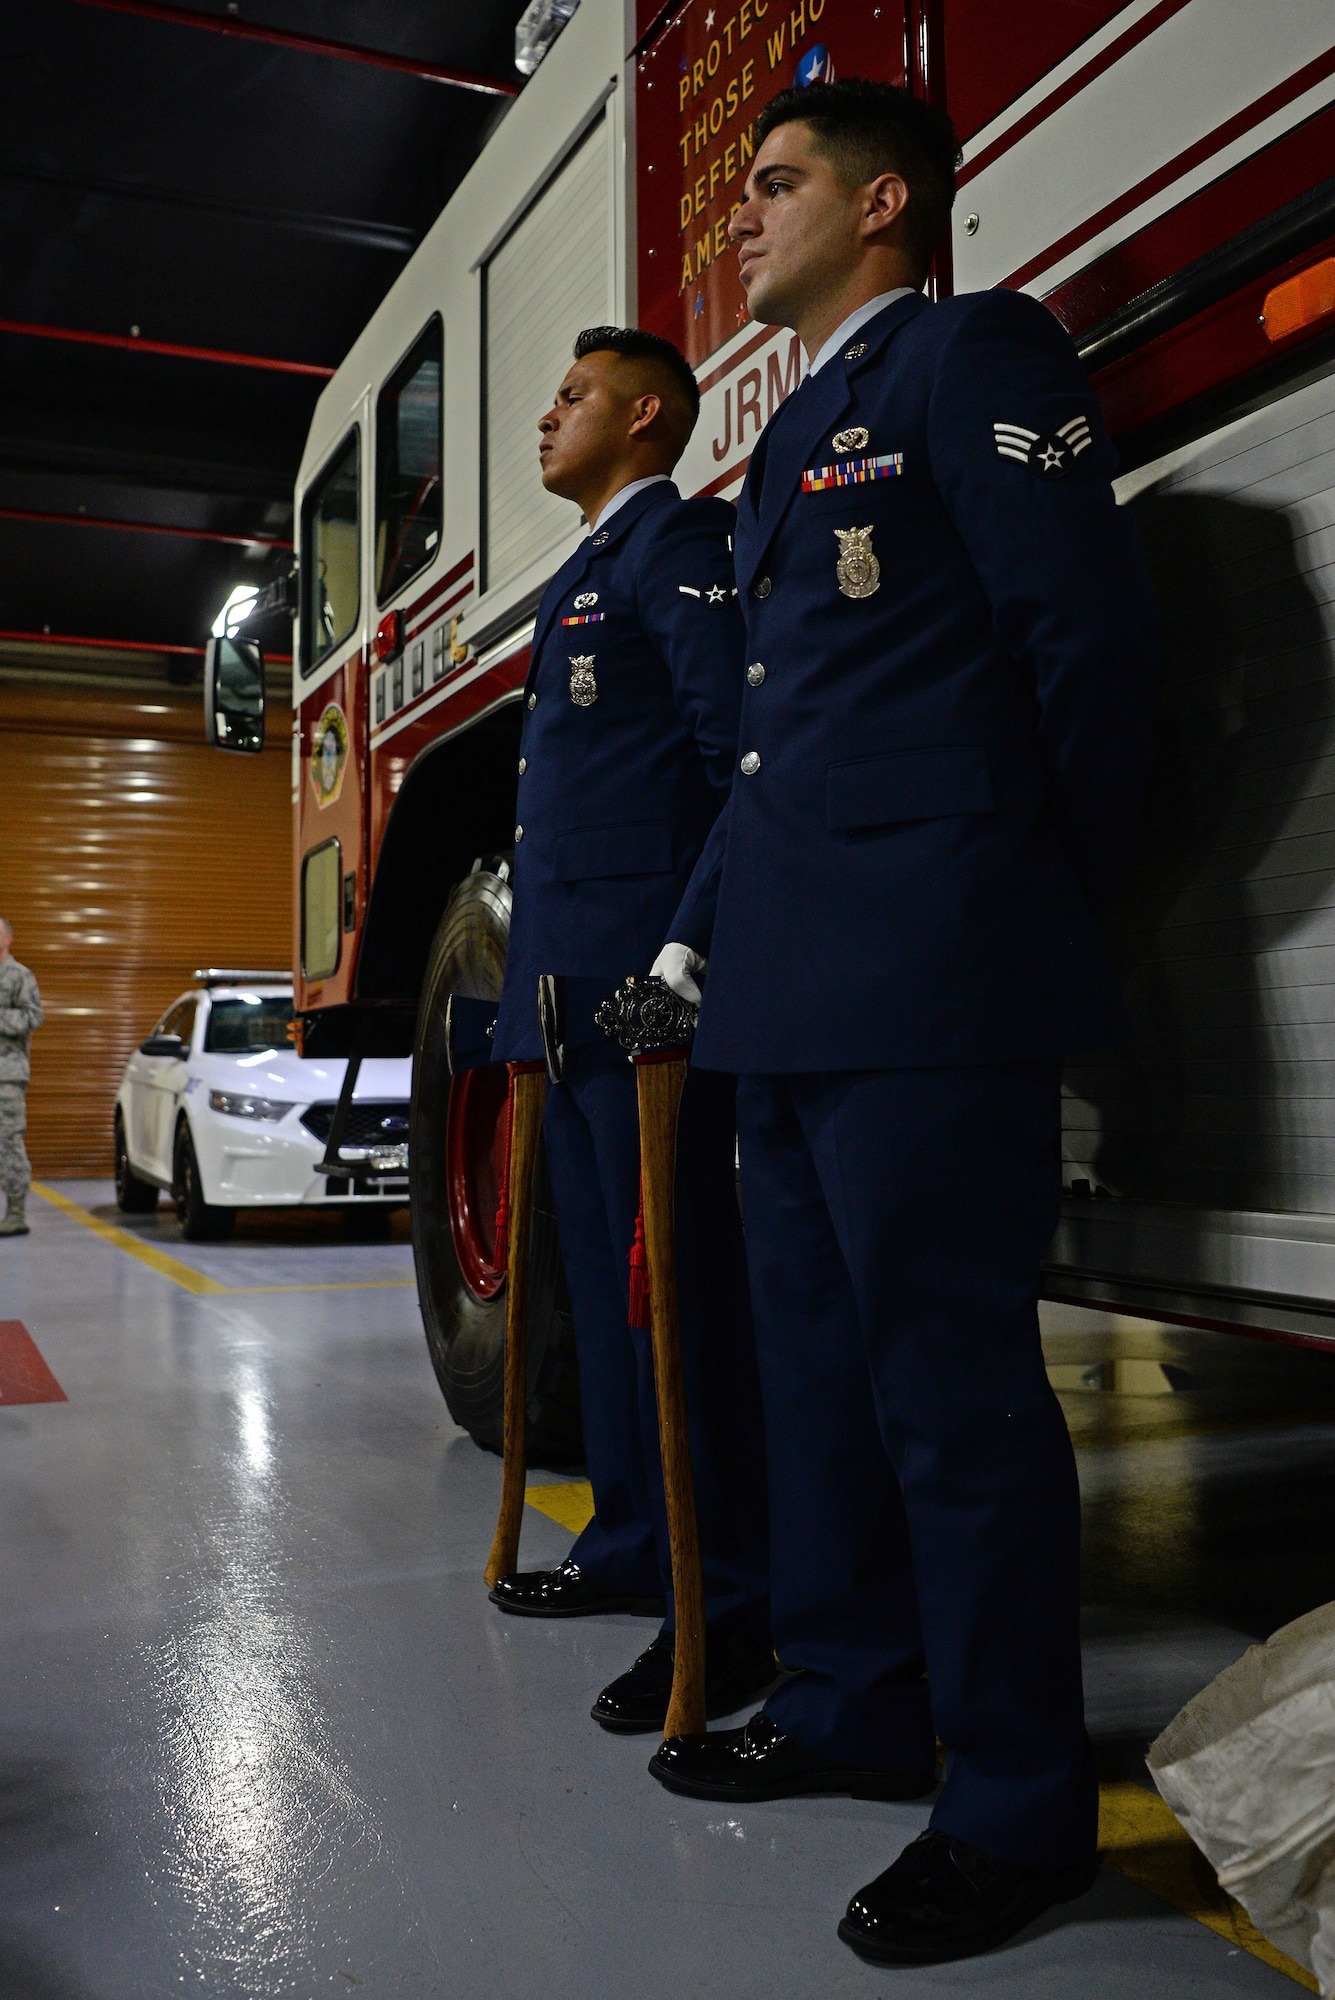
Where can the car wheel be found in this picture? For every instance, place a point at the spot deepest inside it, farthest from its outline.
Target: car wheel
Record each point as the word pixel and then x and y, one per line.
pixel 133 1196
pixel 456 1145
pixel 201 1221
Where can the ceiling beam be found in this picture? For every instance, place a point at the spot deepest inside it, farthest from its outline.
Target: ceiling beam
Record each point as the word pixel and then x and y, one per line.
pixel 194 469
pixel 362 235
pixel 286 38
pixel 176 350
pixel 142 528
pixel 117 645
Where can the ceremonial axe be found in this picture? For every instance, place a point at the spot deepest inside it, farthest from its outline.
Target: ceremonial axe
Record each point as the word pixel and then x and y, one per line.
pixel 525 1102
pixel 655 1028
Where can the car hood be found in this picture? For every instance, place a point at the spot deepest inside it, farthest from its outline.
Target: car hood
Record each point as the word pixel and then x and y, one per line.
pixel 298 1080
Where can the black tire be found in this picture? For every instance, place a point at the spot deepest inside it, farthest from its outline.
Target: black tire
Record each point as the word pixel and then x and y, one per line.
pixel 201 1221
pixel 133 1196
pixel 466 1332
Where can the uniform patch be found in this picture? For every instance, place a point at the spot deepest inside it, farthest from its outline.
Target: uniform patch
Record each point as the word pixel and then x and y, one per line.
pixel 856 439
pixel 1050 454
pixel 586 600
pixel 583 686
pixel 855 472
pixel 857 570
pixel 586 618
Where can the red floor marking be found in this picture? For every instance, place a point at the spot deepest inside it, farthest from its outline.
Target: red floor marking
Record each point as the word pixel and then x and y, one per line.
pixel 24 1376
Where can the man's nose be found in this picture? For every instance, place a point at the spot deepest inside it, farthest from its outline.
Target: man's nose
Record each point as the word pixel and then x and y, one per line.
pixel 741 223
pixel 547 423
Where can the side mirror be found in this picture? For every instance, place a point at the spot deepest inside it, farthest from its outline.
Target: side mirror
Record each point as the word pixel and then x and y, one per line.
pixel 162 1045
pixel 234 694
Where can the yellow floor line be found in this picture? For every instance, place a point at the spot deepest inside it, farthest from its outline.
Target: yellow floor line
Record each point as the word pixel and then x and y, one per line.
pixel 570 1504
pixel 351 1285
pixel 1140 1838
pixel 121 1239
pixel 184 1274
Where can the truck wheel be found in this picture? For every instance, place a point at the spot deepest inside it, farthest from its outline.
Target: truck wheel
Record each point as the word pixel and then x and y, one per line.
pixel 133 1196
pixel 455 1153
pixel 201 1221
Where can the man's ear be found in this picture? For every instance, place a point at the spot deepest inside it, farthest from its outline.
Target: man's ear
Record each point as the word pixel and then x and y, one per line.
pixel 647 409
pixel 884 201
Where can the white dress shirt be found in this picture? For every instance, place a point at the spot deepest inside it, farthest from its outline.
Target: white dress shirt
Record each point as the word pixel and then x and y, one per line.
pixel 856 318
pixel 628 493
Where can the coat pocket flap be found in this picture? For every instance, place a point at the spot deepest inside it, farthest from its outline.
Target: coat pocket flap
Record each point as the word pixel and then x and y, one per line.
pixel 908 784
pixel 592 851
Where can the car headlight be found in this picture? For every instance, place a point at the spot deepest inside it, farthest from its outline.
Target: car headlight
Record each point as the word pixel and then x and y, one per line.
pixel 246 1107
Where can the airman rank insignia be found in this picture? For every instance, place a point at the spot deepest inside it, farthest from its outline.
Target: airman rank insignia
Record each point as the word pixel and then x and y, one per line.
pixel 1050 456
pixel 856 472
pixel 856 439
pixel 857 569
pixel 857 350
pixel 583 687
pixel 586 618
pixel 586 600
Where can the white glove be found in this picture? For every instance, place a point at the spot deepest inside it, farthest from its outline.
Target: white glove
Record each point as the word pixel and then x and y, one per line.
pixel 677 963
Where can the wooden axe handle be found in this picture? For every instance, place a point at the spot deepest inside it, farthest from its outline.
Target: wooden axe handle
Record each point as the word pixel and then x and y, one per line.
pixel 660 1086
pixel 527 1098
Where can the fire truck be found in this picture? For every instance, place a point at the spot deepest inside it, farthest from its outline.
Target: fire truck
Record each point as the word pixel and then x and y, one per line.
pixel 1160 174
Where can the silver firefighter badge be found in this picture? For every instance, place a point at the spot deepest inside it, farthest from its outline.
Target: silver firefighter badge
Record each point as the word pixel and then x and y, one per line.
pixel 856 439
pixel 583 687
pixel 858 571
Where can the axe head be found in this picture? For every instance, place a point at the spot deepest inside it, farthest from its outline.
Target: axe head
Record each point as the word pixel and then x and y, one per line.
pixel 647 1018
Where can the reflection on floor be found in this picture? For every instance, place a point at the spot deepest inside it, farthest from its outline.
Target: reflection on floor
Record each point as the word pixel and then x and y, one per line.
pixel 261 1733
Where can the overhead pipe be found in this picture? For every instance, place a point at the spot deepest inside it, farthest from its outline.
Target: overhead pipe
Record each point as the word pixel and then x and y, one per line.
pixel 118 645
pixel 33 330
pixel 142 528
pixel 317 45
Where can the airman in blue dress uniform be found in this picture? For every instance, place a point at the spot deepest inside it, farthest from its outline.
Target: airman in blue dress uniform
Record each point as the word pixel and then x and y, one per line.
pixel 626 757
pixel 945 737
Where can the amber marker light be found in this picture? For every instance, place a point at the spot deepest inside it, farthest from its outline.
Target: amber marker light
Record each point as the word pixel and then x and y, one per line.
pixel 1300 301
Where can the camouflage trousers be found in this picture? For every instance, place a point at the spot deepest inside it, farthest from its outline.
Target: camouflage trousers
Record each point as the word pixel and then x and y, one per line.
pixel 15 1171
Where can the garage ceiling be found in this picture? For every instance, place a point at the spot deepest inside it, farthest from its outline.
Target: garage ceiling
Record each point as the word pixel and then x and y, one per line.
pixel 164 182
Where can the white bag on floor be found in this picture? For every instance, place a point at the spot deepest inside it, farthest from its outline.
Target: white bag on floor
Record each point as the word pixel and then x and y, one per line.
pixel 1249 1769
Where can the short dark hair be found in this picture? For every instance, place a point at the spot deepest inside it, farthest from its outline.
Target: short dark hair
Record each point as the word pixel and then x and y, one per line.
pixel 865 129
pixel 634 344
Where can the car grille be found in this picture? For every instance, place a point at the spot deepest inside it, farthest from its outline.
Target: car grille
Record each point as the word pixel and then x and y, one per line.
pixel 368 1124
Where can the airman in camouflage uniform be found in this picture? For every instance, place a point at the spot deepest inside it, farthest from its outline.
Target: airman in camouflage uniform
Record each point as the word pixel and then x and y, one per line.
pixel 20 1013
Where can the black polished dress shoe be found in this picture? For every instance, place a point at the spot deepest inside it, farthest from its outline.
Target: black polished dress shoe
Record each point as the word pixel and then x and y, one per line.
pixel 736 1671
pixel 567 1593
pixel 944 1900
pixel 760 1762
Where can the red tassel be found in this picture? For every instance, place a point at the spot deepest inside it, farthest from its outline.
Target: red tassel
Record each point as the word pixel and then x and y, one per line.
pixel 501 1252
pixel 639 1314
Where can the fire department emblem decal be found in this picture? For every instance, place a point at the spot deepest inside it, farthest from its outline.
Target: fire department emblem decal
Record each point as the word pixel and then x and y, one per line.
pixel 329 754
pixel 583 687
pixel 858 571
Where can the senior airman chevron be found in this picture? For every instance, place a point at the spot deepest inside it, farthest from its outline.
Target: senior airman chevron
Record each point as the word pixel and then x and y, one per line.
pixel 855 473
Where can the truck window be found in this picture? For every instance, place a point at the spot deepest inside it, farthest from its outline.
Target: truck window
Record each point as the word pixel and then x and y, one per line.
pixel 407 465
pixel 330 585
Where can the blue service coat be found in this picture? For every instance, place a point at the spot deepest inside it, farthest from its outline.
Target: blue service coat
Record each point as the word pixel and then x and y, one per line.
pixel 941 762
pixel 618 792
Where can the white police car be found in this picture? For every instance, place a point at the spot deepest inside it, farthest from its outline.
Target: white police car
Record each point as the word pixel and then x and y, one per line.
pixel 217 1107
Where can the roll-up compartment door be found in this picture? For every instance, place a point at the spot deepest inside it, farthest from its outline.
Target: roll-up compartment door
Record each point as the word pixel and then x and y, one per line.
pixel 549 278
pixel 1217 1129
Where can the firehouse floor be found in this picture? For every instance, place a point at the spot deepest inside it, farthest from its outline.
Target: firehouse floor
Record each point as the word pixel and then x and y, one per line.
pixel 262 1734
